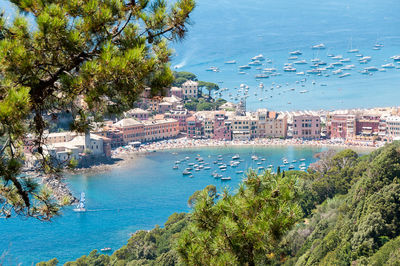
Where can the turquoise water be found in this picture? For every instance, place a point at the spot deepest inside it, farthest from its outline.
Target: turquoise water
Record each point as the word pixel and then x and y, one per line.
pixel 240 30
pixel 124 200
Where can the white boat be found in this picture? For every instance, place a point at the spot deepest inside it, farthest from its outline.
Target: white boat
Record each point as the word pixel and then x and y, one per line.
pixel 105 249
pixel 81 205
pixel 223 166
pixel 389 65
pixel 255 63
pixel 226 178
pixel 230 62
pixel 259 57
pixel 236 157
pixel 175 167
pixel 344 75
pixel 261 76
pixel 239 172
pixel 186 172
pixel 244 67
pixel 302 160
pixel 291 167
pixel 300 62
pixel 353 51
pixel 297 52
pixel 289 69
pixel 293 58
pixel 396 58
pixel 304 91
pixel 318 46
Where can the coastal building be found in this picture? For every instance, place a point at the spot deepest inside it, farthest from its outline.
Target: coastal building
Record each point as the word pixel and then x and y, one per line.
pixel 160 129
pixel 368 125
pixel 181 115
pixel 306 126
pixel 393 127
pixel 60 137
pixel 341 126
pixel 271 124
pixel 80 146
pixel 195 128
pixel 243 127
pixel 222 127
pixel 138 113
pixel 176 91
pixel 112 133
pixel 132 130
pixel 190 89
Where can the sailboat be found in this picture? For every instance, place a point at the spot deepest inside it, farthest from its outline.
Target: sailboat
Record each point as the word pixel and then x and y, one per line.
pixel 81 205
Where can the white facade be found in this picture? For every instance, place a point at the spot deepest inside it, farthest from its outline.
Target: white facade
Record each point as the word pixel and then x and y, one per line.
pixel 190 89
pixel 393 126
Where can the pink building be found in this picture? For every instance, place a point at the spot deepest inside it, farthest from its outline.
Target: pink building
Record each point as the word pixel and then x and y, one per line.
pixel 306 127
pixel 195 128
pixel 222 127
pixel 175 91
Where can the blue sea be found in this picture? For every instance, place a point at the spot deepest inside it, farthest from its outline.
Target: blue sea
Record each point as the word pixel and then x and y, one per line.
pixel 240 30
pixel 131 198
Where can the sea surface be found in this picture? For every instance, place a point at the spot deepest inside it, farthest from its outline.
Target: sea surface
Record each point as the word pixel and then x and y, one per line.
pixel 239 30
pixel 131 198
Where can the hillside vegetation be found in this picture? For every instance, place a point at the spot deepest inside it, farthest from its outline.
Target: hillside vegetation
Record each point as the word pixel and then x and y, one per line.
pixel 344 211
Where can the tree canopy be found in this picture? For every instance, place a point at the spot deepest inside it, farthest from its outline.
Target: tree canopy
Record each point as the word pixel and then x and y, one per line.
pixel 86 58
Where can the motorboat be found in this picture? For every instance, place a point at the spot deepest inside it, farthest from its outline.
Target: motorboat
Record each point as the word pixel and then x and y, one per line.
pixel 300 62
pixel 236 157
pixel 186 172
pixel 244 67
pixel 105 249
pixel 230 62
pixel 353 51
pixel 318 46
pixel 289 69
pixel 175 167
pixel 226 178
pixel 389 65
pixel 239 172
pixel 344 75
pixel 261 76
pixel 297 52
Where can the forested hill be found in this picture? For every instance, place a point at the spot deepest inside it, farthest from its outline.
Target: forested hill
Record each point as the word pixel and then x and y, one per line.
pixel 344 211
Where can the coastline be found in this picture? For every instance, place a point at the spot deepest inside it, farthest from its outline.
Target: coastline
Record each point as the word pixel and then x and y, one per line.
pixel 126 155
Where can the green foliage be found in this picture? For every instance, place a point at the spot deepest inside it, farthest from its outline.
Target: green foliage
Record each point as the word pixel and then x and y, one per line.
pixel 81 58
pixel 240 229
pixel 202 104
pixel 181 77
pixel 360 213
pixel 208 86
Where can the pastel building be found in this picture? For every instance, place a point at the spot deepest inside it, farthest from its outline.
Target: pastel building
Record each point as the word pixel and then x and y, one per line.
pixel 271 124
pixel 222 127
pixel 176 91
pixel 190 89
pixel 393 127
pixel 306 126
pixel 342 126
pixel 195 128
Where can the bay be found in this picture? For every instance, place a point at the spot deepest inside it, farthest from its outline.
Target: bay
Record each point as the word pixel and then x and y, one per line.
pixel 136 197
